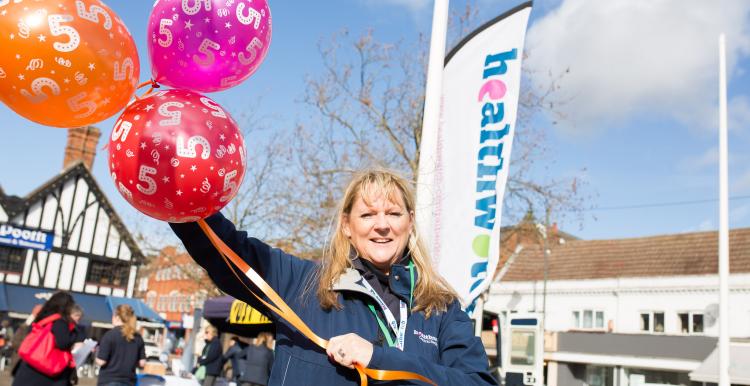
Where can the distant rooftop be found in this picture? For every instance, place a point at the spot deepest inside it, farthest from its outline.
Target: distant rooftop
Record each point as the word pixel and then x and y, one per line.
pixel 669 255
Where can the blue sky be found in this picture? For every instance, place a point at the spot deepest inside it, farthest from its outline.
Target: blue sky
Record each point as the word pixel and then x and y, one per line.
pixel 640 112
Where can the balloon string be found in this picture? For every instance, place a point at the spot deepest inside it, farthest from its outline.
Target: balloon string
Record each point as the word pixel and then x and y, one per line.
pixel 285 312
pixel 153 87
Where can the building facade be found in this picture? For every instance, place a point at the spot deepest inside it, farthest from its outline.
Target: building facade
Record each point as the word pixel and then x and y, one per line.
pixel 65 234
pixel 630 311
pixel 173 285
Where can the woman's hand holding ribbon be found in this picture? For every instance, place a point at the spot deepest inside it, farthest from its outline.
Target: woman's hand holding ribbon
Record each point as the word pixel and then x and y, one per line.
pixel 349 349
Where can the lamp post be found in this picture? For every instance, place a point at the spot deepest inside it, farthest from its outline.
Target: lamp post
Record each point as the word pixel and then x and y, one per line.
pixel 542 229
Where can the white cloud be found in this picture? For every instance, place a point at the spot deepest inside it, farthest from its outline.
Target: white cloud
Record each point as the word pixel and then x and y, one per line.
pixel 703 226
pixel 629 58
pixel 738 110
pixel 706 225
pixel 710 157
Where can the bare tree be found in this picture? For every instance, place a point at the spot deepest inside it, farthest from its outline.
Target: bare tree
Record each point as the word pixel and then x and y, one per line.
pixel 367 106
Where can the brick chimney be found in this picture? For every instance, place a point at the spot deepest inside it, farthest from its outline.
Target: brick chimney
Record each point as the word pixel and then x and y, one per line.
pixel 81 146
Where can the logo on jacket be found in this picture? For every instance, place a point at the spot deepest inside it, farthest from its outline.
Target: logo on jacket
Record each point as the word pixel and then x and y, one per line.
pixel 426 338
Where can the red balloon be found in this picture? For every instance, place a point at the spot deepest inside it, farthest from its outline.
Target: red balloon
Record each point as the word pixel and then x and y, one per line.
pixel 177 156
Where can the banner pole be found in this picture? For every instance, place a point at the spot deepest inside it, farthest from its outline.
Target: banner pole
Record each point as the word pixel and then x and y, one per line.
pixel 430 123
pixel 723 222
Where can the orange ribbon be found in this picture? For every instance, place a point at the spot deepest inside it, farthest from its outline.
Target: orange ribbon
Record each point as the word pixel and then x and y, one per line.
pixel 153 87
pixel 280 307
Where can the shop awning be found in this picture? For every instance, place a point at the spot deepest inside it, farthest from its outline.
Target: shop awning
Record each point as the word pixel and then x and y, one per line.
pixel 20 299
pixel 234 316
pixel 3 299
pixel 739 366
pixel 142 311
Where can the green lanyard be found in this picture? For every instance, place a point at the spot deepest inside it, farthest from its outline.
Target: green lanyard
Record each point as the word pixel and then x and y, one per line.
pixel 382 325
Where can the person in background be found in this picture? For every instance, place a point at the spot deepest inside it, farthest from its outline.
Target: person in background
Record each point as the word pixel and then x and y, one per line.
pixel 60 303
pixel 7 330
pixel 121 350
pixel 76 314
pixel 258 361
pixel 235 353
pixel 211 356
pixel 19 336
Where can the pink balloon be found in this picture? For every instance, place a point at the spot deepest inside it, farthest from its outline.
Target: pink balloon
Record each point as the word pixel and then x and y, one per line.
pixel 207 45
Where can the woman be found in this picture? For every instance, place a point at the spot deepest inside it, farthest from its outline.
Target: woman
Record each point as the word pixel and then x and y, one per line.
pixel 234 354
pixel 258 361
pixel 211 356
pixel 61 303
pixel 121 350
pixel 374 274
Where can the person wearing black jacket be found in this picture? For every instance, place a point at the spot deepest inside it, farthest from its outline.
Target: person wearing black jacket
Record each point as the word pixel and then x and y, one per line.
pixel 235 353
pixel 258 361
pixel 211 356
pixel 60 303
pixel 416 312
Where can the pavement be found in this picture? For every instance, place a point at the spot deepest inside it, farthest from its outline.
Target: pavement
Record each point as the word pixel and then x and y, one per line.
pixel 6 379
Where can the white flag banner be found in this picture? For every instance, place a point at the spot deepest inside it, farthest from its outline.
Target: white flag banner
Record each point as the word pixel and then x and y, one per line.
pixel 481 85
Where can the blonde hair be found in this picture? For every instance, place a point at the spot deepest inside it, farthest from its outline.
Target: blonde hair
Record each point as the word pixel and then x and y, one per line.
pixel 264 338
pixel 127 316
pixel 213 329
pixel 431 292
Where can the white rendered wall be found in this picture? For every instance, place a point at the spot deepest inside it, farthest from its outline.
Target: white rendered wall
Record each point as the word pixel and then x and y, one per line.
pixel 623 300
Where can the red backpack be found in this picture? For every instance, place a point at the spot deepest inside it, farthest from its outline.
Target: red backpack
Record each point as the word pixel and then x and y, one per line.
pixel 40 352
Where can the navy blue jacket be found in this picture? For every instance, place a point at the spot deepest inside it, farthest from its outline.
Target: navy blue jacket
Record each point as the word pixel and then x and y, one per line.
pixel 258 364
pixel 211 357
pixel 442 348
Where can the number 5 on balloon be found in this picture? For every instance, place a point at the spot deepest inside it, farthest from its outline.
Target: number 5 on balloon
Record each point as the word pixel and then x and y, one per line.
pixel 56 29
pixel 93 14
pixel 75 104
pixel 143 175
pixel 252 48
pixel 229 185
pixel 122 128
pixel 163 30
pixel 209 57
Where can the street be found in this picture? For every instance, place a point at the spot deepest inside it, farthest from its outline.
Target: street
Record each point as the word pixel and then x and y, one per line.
pixel 6 379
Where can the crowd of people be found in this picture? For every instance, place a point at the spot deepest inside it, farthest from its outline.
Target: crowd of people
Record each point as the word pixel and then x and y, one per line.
pixel 242 363
pixel 119 352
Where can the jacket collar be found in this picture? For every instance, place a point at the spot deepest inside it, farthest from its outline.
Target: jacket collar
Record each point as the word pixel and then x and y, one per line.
pixel 399 281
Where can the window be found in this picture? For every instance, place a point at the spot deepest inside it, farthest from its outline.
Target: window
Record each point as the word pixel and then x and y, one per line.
pixel 174 298
pixel 691 322
pixel 143 284
pixel 151 299
pixel 652 321
pixel 12 259
pixel 698 323
pixel 105 273
pixel 599 376
pixel 522 348
pixel 588 319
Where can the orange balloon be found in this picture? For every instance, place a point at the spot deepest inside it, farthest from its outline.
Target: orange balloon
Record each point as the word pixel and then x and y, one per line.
pixel 65 63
